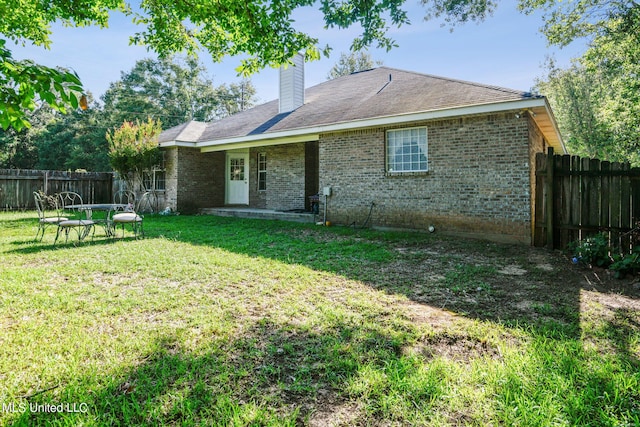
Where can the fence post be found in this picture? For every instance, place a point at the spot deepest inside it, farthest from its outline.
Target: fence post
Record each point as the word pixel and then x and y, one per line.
pixel 549 200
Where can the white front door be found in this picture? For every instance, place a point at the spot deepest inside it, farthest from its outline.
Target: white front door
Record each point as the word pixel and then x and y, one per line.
pixel 237 178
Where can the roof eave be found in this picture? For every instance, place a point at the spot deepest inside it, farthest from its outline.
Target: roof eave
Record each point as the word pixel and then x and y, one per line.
pixel 540 104
pixel 176 143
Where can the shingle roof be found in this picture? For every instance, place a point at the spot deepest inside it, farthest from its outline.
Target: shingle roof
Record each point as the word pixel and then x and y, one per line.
pixel 376 93
pixel 188 132
pixel 379 92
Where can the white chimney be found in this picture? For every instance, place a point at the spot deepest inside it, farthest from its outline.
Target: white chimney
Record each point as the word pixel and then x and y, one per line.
pixel 292 85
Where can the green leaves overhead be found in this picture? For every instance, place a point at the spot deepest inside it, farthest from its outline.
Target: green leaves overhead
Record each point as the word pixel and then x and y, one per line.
pixel 24 83
pixel 30 21
pixel 262 32
pixel 371 15
pixel 459 11
pixel 563 21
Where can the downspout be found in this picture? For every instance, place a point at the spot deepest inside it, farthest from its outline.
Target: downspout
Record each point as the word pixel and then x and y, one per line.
pixel 324 220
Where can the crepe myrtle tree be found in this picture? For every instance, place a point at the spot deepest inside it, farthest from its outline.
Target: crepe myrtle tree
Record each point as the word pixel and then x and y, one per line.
pixel 262 32
pixel 133 149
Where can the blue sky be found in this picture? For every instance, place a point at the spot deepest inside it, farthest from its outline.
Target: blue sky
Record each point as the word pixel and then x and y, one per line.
pixel 506 50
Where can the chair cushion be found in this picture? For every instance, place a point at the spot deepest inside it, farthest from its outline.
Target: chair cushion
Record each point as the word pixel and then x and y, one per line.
pixel 76 223
pixel 53 220
pixel 127 217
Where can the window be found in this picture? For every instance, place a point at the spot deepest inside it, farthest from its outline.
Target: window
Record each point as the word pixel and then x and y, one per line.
pixel 237 169
pixel 407 150
pixel 159 180
pixel 262 171
pixel 154 179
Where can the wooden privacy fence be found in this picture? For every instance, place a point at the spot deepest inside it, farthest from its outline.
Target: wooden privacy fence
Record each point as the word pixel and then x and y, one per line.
pixel 17 186
pixel 577 197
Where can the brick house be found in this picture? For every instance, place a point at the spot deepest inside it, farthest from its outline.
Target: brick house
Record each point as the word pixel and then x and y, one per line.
pixel 395 149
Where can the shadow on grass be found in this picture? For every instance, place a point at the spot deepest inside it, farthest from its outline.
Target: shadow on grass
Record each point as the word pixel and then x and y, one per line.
pixel 508 284
pixel 283 374
pixel 271 374
pixel 512 285
pixel 280 375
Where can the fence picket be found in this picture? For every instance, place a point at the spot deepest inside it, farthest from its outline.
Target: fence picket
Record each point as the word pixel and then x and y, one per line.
pixel 595 193
pixel 17 186
pixel 589 196
pixel 539 213
pixel 625 209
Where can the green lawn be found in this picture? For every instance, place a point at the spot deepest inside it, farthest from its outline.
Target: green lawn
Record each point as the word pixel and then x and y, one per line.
pixel 225 322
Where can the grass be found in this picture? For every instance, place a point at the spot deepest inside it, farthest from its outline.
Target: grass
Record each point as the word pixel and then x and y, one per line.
pixel 225 322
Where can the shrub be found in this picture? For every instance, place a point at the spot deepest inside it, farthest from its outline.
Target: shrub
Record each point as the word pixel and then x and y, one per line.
pixel 594 250
pixel 625 264
pixel 133 148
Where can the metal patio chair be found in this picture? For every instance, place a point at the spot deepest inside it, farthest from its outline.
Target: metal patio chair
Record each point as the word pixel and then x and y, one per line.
pixel 44 203
pixel 131 218
pixel 71 203
pixel 125 197
pixel 148 203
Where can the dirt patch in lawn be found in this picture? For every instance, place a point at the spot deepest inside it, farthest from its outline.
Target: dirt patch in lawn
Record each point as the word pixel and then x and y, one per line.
pixel 459 347
pixel 445 278
pixel 499 282
pixel 449 282
pixel 461 302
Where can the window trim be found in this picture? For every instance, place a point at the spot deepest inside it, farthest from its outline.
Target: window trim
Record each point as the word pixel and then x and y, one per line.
pixel 262 173
pixel 151 176
pixel 426 152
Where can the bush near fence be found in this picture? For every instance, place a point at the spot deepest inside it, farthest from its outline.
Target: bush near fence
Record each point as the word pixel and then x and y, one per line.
pixel 17 186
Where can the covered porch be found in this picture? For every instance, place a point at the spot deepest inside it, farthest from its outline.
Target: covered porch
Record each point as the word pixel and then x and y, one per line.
pixel 265 181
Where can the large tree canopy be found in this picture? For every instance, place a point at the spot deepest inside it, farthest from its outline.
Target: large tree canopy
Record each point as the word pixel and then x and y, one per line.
pixel 564 21
pixel 265 33
pixel 351 63
pixel 172 90
pixel 262 30
pixel 597 100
